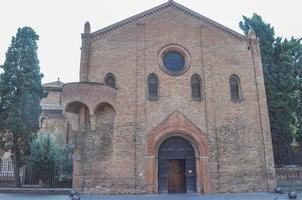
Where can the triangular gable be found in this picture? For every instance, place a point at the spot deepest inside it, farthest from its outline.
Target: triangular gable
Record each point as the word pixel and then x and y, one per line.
pixel 159 9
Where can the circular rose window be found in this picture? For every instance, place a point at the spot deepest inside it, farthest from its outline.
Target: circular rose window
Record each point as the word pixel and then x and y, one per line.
pixel 174 60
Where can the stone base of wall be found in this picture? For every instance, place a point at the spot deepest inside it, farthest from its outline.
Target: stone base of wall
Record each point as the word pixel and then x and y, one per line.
pixel 289 178
pixel 107 186
pixel 127 187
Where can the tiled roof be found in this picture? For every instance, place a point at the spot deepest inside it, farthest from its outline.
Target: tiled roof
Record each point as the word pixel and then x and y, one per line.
pixel 53 85
pixel 51 107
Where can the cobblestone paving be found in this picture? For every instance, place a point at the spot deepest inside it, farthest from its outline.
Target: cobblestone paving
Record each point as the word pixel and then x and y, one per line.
pixel 245 196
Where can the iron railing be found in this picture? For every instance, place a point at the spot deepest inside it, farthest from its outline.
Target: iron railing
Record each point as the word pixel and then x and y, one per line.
pixel 37 175
pixel 286 156
pixel 288 164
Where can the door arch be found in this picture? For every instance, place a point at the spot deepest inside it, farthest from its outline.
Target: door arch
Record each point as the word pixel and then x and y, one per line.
pixel 176 166
pixel 178 125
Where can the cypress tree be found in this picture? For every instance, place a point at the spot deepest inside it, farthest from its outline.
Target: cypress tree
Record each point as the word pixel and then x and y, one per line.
pixel 20 95
pixel 282 68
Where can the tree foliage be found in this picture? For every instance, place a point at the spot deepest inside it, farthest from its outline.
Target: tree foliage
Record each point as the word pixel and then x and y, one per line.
pixel 49 161
pixel 43 149
pixel 20 95
pixel 282 68
pixel 46 151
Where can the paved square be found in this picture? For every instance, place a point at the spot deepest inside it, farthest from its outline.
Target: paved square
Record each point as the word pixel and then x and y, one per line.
pixel 243 196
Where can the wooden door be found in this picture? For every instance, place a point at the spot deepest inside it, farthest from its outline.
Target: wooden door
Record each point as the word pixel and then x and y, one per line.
pixel 176 152
pixel 176 176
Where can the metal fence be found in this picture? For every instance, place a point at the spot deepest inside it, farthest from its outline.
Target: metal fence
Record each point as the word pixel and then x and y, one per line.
pixel 36 175
pixel 288 163
pixel 286 156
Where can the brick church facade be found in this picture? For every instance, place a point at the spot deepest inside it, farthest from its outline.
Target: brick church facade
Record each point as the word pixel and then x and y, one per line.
pixel 168 101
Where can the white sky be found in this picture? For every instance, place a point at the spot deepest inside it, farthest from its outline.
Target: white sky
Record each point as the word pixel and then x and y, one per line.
pixel 60 23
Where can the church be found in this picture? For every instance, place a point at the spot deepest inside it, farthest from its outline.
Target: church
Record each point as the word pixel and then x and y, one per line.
pixel 169 101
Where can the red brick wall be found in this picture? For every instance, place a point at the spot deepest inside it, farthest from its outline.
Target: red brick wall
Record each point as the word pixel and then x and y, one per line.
pixel 239 143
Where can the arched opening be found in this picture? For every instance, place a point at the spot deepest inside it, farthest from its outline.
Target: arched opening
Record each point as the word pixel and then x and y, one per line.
pixel 196 86
pixel 43 123
pixel 235 88
pixel 104 124
pixel 104 114
pixel 176 166
pixel 110 80
pixel 78 115
pixel 153 84
pixel 178 125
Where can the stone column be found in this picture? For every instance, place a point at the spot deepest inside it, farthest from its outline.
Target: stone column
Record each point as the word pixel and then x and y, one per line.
pixel 92 122
pixel 85 52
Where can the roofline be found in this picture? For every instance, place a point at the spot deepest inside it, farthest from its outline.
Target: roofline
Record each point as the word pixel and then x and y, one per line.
pixel 132 19
pixel 84 82
pixel 211 22
pixel 153 11
pixel 51 109
pixel 52 88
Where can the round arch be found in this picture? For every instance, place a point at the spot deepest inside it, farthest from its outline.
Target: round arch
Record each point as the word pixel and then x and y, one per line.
pixel 181 135
pixel 74 106
pixel 178 125
pixel 176 165
pixel 78 115
pixel 104 114
pixel 101 105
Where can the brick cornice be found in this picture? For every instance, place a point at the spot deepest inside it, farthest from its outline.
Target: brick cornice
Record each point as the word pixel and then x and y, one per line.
pixel 159 9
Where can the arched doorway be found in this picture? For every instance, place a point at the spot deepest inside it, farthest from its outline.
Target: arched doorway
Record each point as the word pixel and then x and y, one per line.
pixel 176 166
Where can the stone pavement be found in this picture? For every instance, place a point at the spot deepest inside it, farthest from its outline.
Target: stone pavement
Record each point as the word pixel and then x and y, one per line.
pixel 32 197
pixel 242 196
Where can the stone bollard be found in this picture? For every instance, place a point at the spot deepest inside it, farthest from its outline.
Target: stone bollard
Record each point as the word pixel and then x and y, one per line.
pixel 74 195
pixel 278 190
pixel 292 195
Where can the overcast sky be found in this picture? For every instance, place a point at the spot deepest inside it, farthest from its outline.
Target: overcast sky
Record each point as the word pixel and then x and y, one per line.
pixel 60 23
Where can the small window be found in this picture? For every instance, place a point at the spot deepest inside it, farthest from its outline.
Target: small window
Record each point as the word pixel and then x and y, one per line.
pixel 235 88
pixel 153 87
pixel 196 87
pixel 43 123
pixel 110 80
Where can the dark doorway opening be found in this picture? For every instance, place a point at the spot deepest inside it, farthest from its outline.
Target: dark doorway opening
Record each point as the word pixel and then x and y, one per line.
pixel 176 176
pixel 176 166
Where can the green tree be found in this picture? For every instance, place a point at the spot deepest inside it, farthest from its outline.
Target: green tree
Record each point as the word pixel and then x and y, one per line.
pixel 44 149
pixel 49 159
pixel 282 69
pixel 292 52
pixel 20 95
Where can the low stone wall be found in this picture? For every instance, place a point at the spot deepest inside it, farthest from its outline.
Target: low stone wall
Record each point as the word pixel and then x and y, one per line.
pixel 289 173
pixel 289 178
